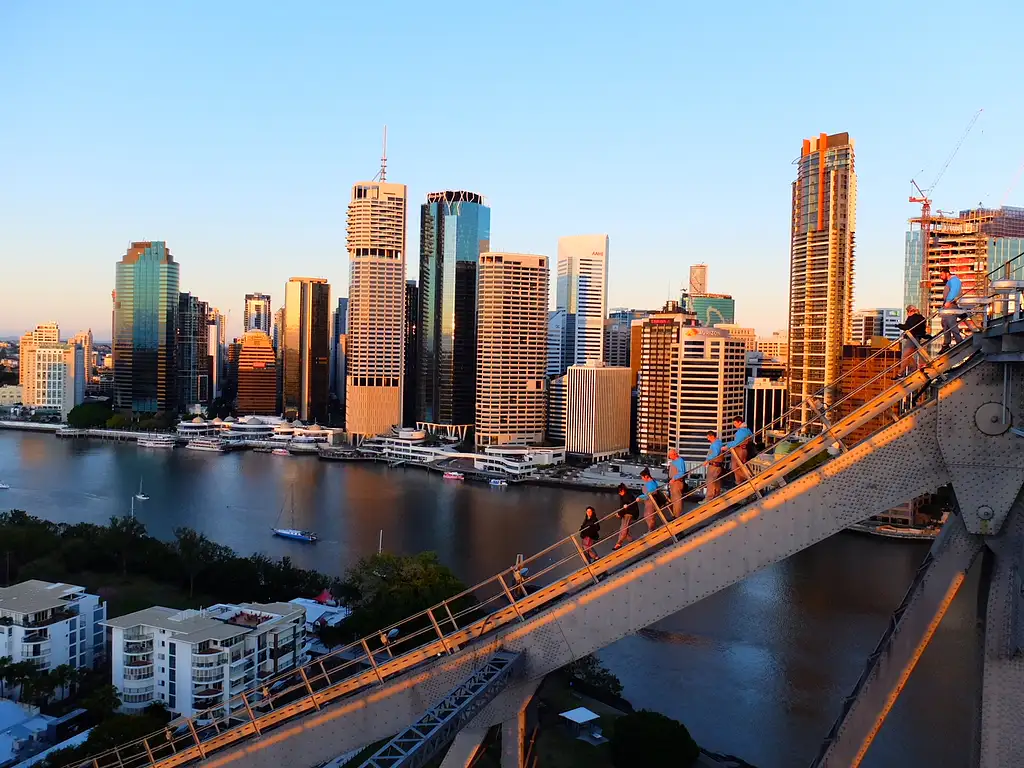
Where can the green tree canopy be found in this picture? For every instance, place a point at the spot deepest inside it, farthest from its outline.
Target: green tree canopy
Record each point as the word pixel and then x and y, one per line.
pixel 90 415
pixel 646 739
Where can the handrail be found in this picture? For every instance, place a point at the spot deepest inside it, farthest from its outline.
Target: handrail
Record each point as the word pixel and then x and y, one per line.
pixel 383 655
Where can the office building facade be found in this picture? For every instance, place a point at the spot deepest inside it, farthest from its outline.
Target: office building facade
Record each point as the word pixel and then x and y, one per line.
pixel 216 350
pixel 617 329
pixel 555 431
pixel 305 349
pixel 411 353
pixel 51 624
pixel 775 346
pixel 511 349
pixel 376 308
pixel 764 407
pixel 47 333
pixel 713 309
pixel 257 376
pixel 145 329
pixel 581 292
pixel 339 327
pixel 192 661
pixel 257 315
pixel 820 269
pixel 84 340
pixel 455 228
pixel 747 335
pixel 698 285
pixel 867 370
pixel 866 324
pixel 597 399
pixel 193 352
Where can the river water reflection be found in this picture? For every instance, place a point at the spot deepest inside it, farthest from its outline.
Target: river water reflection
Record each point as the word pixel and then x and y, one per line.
pixel 758 670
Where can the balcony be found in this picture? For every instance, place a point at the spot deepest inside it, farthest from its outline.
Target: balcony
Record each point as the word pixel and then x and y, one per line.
pixel 139 684
pixel 138 646
pixel 61 614
pixel 135 662
pixel 205 660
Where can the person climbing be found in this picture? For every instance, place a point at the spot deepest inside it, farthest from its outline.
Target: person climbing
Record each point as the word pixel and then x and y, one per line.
pixel 950 300
pixel 677 481
pixel 915 329
pixel 627 514
pixel 590 532
pixel 716 464
pixel 739 449
pixel 651 497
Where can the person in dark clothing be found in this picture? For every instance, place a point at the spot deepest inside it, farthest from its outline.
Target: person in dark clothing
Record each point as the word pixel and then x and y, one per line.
pixel 916 329
pixel 590 532
pixel 628 512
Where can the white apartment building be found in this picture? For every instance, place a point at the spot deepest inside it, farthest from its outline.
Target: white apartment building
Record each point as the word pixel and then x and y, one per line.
pixel 59 377
pixel 512 315
pixel 775 346
pixel 50 624
pixel 597 405
pixel 376 307
pixel 747 335
pixel 47 333
pixel 194 661
pixel 581 291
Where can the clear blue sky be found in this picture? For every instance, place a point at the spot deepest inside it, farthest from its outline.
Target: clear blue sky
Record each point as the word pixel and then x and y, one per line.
pixel 233 130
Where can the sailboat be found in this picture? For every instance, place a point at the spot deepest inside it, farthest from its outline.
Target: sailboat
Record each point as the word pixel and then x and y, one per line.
pixel 293 533
pixel 140 495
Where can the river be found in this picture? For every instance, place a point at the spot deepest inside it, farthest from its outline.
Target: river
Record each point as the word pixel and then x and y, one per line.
pixel 758 670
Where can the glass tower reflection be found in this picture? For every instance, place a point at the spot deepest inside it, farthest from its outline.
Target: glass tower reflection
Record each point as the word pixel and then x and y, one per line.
pixel 455 228
pixel 305 349
pixel 145 329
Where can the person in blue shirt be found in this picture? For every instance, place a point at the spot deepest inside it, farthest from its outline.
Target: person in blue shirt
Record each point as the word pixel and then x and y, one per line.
pixel 676 481
pixel 739 448
pixel 650 498
pixel 716 463
pixel 950 300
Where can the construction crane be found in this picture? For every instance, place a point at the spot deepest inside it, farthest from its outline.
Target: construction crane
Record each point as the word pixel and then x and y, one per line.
pixel 923 198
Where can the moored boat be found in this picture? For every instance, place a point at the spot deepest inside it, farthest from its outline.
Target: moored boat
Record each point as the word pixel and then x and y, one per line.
pixel 280 452
pixel 206 444
pixel 454 476
pixel 497 482
pixel 295 534
pixel 157 441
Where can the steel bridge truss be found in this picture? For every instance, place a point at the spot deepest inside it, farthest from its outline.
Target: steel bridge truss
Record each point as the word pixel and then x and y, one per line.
pixel 416 745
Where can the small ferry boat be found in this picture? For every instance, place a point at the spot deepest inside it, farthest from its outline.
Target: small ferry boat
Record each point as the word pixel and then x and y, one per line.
pixel 296 534
pixel 497 482
pixel 158 441
pixel 280 452
pixel 4 487
pixel 454 476
pixel 206 444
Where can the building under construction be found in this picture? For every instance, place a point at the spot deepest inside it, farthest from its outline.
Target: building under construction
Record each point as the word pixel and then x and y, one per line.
pixel 972 244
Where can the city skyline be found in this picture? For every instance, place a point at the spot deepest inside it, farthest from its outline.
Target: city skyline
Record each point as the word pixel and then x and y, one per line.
pixel 268 185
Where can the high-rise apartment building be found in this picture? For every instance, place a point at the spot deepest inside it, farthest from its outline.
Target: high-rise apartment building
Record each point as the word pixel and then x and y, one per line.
pixel 193 352
pixel 972 244
pixel 216 350
pixel 455 228
pixel 59 376
pixel 698 280
pixel 775 346
pixel 865 324
pixel 747 335
pixel 617 336
pixel 257 375
pixel 305 349
pixel 411 352
pixel 820 269
pixel 691 380
pixel 511 349
pixel 48 333
pixel 145 329
pixel 597 399
pixel 581 291
pixel 84 340
pixel 376 307
pixel 195 661
pixel 257 315
pixel 713 309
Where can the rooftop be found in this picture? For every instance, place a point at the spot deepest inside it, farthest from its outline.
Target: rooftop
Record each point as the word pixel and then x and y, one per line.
pixel 36 596
pixel 218 622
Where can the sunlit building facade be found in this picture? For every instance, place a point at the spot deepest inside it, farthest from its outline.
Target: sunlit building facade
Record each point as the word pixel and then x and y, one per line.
pixel 305 349
pixel 597 409
pixel 145 329
pixel 257 315
pixel 376 308
pixel 257 375
pixel 193 353
pixel 581 292
pixel 455 228
pixel 47 333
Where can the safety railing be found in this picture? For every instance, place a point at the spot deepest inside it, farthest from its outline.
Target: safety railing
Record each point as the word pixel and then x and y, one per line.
pixel 514 595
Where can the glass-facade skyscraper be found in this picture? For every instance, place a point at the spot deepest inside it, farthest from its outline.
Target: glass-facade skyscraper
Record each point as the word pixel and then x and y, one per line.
pixel 455 228
pixel 712 308
pixel 145 329
pixel 305 349
pixel 581 291
pixel 257 315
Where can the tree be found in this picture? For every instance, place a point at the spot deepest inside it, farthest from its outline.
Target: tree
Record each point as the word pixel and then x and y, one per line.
pixel 102 702
pixel 118 421
pixel 125 534
pixel 194 551
pixel 6 662
pixel 62 677
pixel 592 672
pixel 648 739
pixel 90 415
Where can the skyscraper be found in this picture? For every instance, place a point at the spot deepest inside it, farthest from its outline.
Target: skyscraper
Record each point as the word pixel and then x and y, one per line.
pixel 455 228
pixel 712 308
pixel 59 376
pixel 511 349
pixel 216 350
pixel 582 291
pixel 145 329
pixel 305 346
pixel 47 333
pixel 820 268
pixel 698 280
pixel 193 353
pixel 597 410
pixel 865 324
pixel 410 352
pixel 257 315
pixel 376 307
pixel 617 333
pixel 257 375
pixel 84 340
pixel 339 327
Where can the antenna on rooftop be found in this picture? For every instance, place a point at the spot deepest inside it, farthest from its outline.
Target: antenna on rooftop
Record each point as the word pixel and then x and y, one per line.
pixel 384 157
